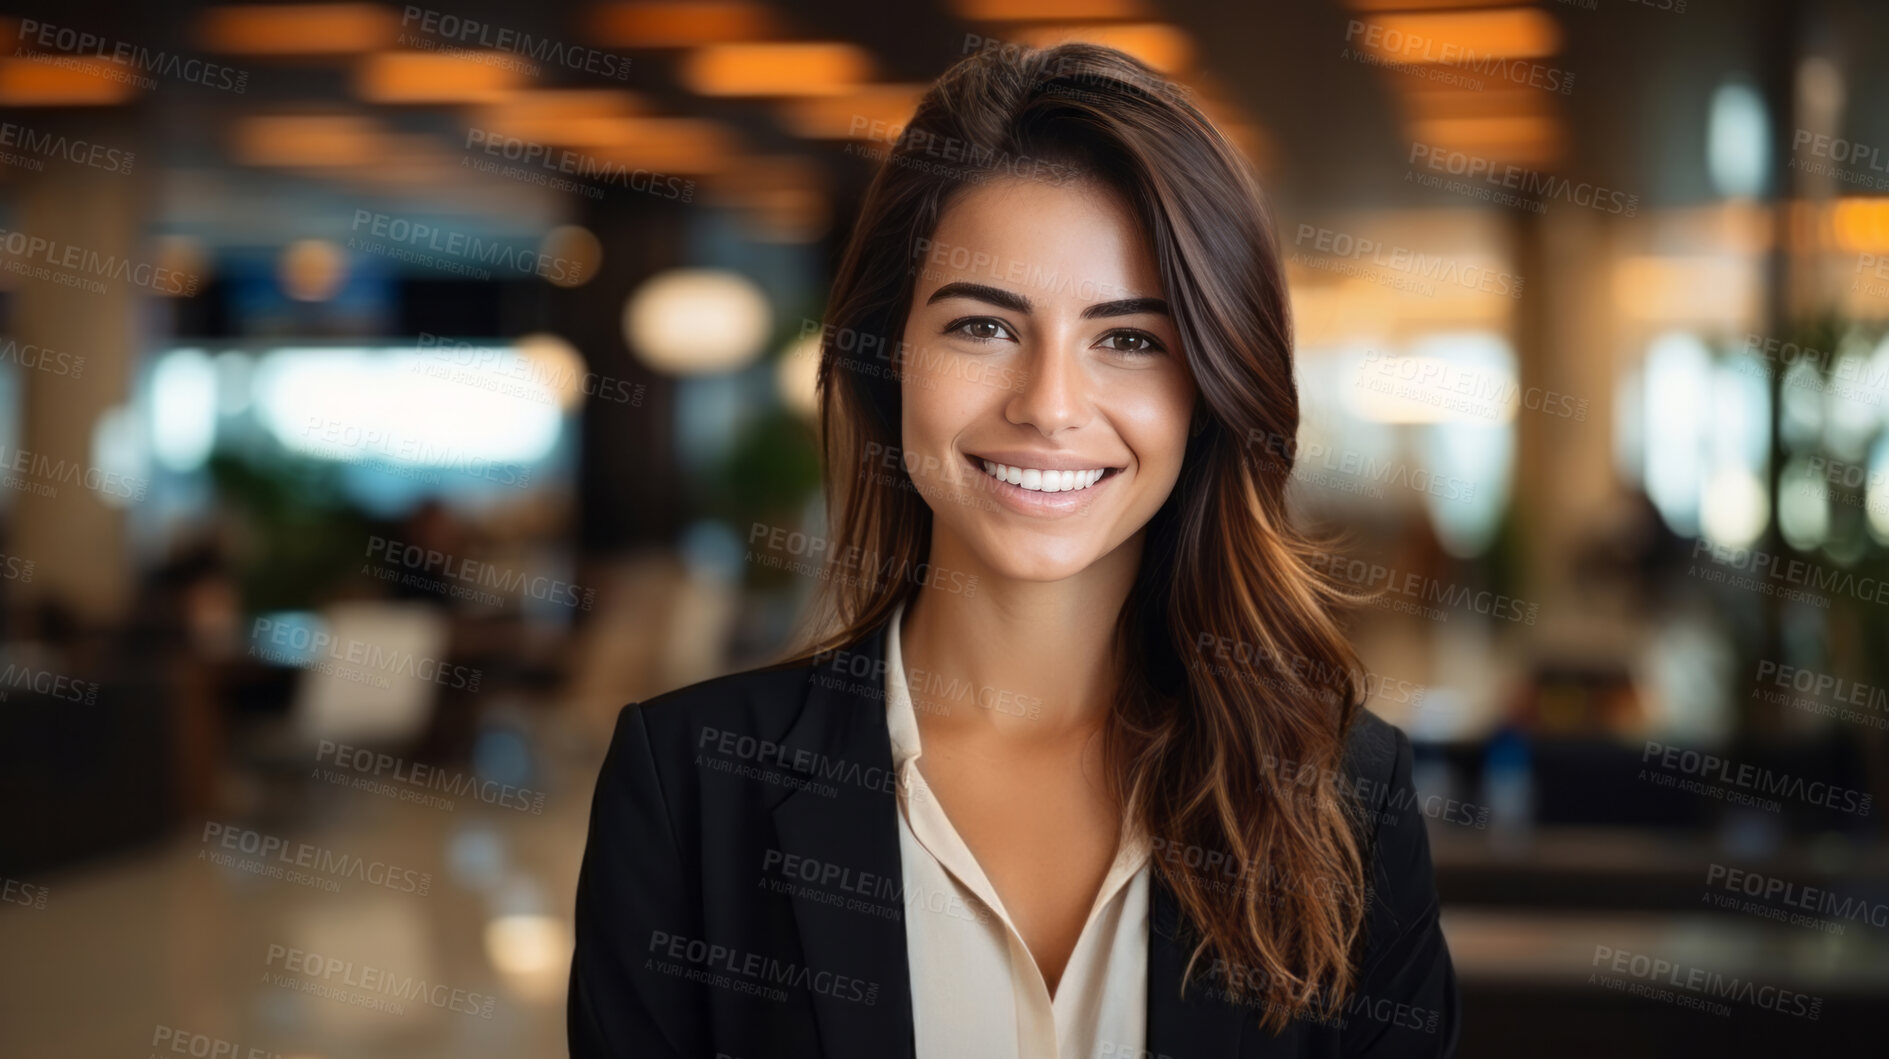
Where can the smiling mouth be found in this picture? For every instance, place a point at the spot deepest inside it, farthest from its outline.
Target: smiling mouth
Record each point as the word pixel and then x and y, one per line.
pixel 1043 480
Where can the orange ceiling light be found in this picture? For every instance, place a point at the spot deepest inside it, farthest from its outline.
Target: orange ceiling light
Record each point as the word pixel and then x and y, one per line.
pixel 800 68
pixel 871 112
pixel 554 104
pixel 674 145
pixel 1165 47
pixel 1433 100
pixel 42 80
pixel 1495 133
pixel 312 140
pixel 1860 225
pixel 1047 10
pixel 1422 5
pixel 298 29
pixel 672 24
pixel 543 116
pixel 436 77
pixel 1458 36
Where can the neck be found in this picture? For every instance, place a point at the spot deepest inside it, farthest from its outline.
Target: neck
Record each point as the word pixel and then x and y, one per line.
pixel 1032 660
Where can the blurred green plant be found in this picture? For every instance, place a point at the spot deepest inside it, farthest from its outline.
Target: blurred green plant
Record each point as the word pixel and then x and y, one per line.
pixel 300 535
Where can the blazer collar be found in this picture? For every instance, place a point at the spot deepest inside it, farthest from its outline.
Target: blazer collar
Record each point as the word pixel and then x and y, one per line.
pixel 840 740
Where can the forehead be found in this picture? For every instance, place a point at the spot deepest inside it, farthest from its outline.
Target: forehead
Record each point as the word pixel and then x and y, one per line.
pixel 1073 243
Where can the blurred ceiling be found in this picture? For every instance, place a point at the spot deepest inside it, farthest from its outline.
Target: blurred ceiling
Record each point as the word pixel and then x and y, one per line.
pixel 307 113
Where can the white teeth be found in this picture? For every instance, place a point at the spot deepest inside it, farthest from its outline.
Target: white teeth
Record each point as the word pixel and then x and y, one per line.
pixel 1044 481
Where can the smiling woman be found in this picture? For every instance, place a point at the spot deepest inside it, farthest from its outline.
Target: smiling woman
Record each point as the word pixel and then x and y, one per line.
pixel 1149 852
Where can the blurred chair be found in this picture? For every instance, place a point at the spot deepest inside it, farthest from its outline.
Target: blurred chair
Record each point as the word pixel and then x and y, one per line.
pixel 386 700
pixel 656 627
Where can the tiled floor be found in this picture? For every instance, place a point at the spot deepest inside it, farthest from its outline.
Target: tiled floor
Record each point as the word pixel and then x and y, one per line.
pixel 401 930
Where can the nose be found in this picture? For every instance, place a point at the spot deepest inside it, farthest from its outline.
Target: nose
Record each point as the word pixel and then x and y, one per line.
pixel 1054 395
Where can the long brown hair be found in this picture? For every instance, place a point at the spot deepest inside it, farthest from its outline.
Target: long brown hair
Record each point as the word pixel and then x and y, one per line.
pixel 1208 755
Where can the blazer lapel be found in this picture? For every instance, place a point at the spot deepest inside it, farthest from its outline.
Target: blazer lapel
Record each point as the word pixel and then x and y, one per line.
pixel 847 816
pixel 1197 1027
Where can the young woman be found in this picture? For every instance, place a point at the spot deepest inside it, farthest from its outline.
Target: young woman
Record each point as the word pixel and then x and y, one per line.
pixel 1075 763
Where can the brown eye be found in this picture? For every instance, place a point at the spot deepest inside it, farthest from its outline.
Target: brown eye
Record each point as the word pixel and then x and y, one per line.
pixel 1136 342
pixel 980 329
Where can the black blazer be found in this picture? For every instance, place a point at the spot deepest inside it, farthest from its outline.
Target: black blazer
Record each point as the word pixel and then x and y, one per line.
pixel 740 893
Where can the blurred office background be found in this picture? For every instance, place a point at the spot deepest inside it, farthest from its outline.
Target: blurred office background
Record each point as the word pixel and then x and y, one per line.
pixel 388 393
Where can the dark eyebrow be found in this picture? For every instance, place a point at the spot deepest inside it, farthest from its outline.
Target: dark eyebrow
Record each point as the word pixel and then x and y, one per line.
pixel 997 296
pixel 1126 307
pixel 1017 303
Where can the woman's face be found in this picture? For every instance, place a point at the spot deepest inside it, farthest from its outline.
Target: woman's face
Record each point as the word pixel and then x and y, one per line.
pixel 1046 400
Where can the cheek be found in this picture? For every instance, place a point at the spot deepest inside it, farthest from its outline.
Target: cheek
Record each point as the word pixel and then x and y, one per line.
pixel 937 409
pixel 1155 422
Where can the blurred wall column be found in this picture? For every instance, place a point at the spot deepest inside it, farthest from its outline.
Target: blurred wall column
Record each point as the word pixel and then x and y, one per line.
pixel 76 538
pixel 1564 341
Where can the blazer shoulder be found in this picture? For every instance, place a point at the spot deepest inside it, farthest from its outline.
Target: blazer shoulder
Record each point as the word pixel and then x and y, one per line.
pixel 760 701
pixel 1373 746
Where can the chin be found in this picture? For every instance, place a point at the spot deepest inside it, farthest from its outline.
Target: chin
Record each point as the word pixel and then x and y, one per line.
pixel 1017 557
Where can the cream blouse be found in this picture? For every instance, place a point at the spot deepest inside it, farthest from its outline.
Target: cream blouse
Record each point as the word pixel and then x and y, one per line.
pixel 976 990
